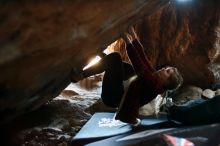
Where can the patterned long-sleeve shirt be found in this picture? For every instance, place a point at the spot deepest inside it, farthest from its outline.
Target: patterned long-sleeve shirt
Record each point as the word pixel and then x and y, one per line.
pixel 141 90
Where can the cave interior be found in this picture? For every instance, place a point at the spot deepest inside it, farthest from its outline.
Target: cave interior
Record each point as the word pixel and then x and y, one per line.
pixel 41 42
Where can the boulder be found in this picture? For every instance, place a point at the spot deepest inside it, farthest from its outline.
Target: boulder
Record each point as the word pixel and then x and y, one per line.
pixel 41 41
pixel 186 93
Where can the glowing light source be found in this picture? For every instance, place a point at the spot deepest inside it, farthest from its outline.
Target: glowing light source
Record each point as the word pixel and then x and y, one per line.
pixel 96 59
pixel 92 62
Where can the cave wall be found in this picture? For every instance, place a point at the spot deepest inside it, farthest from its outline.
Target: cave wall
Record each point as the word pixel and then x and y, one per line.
pixel 184 35
pixel 42 40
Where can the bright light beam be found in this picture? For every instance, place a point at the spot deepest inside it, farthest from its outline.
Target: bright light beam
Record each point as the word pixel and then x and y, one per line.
pixel 92 62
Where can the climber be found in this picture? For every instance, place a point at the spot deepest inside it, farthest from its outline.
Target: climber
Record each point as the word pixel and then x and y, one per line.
pixel 145 82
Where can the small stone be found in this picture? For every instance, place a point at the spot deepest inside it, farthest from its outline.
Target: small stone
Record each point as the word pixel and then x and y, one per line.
pixel 208 93
pixel 62 138
pixel 60 123
pixel 62 144
pixel 68 93
pixel 186 93
pixel 217 92
pixel 52 130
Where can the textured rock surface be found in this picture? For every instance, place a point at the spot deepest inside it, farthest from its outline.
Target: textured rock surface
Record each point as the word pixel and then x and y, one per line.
pixel 208 93
pixel 42 40
pixel 185 35
pixel 186 93
pixel 55 122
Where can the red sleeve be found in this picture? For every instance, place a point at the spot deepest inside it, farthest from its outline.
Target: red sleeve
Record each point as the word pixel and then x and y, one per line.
pixel 142 65
pixel 138 58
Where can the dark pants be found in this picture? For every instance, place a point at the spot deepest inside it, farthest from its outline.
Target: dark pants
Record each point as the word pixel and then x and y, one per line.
pixel 116 71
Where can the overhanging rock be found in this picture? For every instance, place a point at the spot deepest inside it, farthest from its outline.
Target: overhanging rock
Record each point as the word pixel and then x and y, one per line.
pixel 40 42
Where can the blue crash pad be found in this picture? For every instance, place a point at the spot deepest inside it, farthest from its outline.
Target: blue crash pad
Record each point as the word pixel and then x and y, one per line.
pixel 101 125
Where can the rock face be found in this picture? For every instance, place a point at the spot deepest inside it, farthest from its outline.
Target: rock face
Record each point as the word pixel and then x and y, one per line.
pixel 41 41
pixel 54 123
pixel 184 35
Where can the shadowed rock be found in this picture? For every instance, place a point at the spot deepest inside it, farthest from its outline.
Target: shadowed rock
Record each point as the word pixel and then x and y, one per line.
pixel 40 42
